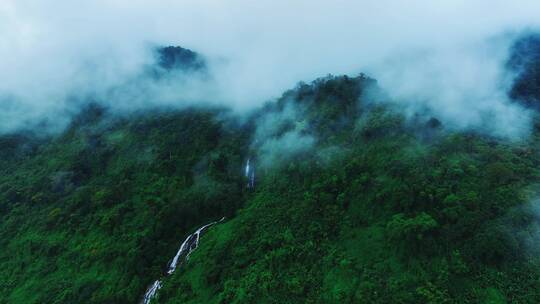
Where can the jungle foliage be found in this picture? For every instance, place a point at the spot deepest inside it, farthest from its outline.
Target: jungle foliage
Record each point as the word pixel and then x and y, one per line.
pixel 381 208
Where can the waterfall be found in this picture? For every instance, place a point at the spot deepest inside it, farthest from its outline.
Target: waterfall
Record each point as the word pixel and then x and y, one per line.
pixel 151 292
pixel 190 243
pixel 250 174
pixel 188 246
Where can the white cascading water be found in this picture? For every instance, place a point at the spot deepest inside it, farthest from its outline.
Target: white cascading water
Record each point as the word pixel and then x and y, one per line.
pixel 151 292
pixel 189 245
pixel 192 242
pixel 250 174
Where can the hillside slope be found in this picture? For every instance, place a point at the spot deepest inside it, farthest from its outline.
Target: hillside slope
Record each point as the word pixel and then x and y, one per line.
pixel 94 215
pixel 380 209
pixel 353 203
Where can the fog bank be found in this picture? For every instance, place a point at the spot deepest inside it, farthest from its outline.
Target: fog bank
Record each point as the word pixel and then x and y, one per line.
pixel 446 55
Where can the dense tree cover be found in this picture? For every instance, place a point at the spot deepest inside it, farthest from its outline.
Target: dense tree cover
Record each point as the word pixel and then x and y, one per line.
pixel 381 208
pixel 94 215
pixel 393 217
pixel 179 58
pixel 525 63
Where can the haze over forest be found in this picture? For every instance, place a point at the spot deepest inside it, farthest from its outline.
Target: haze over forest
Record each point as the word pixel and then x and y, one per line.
pixel 269 151
pixel 448 56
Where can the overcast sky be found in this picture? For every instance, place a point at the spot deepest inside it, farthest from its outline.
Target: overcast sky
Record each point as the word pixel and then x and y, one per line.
pixel 444 54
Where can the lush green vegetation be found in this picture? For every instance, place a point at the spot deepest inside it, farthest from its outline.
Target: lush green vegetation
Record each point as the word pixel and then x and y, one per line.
pixel 94 215
pixel 394 216
pixel 379 208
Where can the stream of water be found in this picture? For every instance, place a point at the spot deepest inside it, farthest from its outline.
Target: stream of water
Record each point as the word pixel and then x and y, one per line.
pixel 188 246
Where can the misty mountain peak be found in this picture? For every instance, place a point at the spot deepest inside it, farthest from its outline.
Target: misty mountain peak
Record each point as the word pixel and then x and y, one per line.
pixel 525 62
pixel 179 58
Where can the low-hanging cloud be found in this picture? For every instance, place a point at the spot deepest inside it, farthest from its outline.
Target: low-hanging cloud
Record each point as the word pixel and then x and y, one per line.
pixel 446 55
pixel 281 135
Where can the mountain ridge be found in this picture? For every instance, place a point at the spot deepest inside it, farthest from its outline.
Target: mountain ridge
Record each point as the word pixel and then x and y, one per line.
pixel 353 202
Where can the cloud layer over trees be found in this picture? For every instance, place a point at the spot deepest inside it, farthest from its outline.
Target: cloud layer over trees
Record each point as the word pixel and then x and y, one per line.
pixel 447 56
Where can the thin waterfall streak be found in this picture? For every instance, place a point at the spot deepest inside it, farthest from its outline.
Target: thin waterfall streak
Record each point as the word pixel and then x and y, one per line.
pixel 185 250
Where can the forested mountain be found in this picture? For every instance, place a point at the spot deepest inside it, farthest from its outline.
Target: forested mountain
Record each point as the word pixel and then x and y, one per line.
pixel 525 63
pixel 352 201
